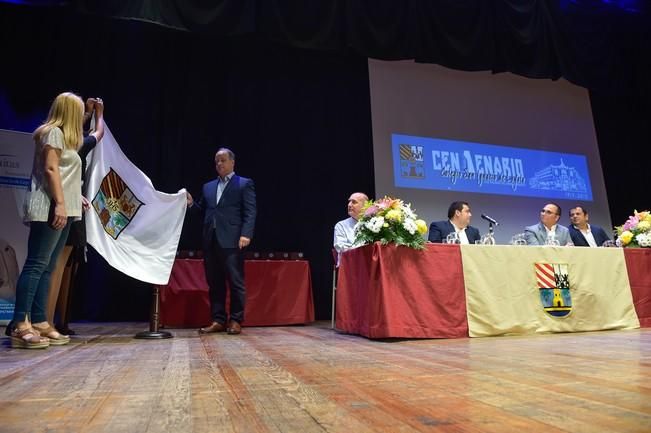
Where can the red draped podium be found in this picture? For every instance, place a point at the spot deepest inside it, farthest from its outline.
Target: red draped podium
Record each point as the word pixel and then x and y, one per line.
pixel 278 292
pixel 390 291
pixel 638 265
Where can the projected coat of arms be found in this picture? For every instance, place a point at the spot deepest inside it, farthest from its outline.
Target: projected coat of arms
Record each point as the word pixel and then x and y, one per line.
pixel 554 286
pixel 411 161
pixel 115 204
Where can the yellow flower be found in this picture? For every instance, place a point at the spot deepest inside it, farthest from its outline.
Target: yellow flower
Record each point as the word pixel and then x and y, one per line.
pixel 642 215
pixel 644 226
pixel 393 215
pixel 385 225
pixel 626 237
pixel 421 226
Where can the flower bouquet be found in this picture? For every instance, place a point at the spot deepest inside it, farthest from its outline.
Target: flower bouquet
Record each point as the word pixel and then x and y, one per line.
pixel 390 220
pixel 636 232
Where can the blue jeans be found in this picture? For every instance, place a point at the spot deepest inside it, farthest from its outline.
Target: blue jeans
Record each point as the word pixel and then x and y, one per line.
pixel 43 249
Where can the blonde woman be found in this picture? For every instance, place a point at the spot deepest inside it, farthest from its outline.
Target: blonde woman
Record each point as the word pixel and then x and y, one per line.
pixel 53 202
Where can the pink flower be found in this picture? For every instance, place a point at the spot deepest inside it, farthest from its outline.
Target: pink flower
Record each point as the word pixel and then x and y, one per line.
pixel 631 223
pixel 372 210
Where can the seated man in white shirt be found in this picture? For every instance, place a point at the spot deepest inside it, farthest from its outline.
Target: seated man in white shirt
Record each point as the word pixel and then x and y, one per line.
pixel 344 238
pixel 548 228
pixel 458 221
pixel 582 233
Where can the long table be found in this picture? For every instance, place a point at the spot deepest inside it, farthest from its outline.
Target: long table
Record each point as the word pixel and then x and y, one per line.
pixel 278 292
pixel 389 291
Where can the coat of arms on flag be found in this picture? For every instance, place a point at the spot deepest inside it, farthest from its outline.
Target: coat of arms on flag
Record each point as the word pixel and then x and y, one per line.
pixel 115 204
pixel 134 227
pixel 554 286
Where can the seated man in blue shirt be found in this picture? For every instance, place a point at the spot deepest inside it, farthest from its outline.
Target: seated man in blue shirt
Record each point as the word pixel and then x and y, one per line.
pixel 345 229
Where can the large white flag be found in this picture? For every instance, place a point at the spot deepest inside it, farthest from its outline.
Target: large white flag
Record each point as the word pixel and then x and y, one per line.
pixel 133 226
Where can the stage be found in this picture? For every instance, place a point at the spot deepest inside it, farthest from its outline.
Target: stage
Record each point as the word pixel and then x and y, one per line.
pixel 312 379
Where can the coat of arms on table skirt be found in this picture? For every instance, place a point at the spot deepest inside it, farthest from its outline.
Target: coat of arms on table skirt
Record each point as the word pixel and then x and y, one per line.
pixel 554 286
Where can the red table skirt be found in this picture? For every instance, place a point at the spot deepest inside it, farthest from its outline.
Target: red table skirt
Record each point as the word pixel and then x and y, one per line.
pixel 638 265
pixel 389 291
pixel 278 292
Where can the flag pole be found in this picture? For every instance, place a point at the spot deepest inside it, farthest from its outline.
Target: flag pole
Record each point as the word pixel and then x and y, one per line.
pixel 154 319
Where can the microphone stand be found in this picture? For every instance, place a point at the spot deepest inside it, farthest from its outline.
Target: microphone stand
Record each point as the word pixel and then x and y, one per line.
pixel 490 240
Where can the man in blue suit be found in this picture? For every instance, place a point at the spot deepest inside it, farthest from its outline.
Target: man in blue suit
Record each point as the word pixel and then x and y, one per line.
pixel 582 233
pixel 458 221
pixel 548 227
pixel 229 209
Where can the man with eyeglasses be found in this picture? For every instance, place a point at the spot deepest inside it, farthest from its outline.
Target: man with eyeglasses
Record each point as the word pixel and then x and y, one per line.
pixel 548 228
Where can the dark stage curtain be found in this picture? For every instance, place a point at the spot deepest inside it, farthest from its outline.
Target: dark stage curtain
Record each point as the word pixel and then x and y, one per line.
pixel 298 121
pixel 285 84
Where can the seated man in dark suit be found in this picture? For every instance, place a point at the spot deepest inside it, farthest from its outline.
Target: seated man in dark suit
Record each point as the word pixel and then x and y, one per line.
pixel 458 221
pixel 582 233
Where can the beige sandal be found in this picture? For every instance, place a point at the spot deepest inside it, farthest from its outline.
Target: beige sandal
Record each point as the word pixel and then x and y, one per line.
pixel 28 338
pixel 55 337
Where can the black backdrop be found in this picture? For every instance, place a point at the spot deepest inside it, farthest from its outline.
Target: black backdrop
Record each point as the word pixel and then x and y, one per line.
pixel 285 85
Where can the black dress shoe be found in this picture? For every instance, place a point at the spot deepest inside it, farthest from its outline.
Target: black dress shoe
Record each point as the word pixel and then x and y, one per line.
pixel 65 330
pixel 234 328
pixel 215 327
pixel 9 328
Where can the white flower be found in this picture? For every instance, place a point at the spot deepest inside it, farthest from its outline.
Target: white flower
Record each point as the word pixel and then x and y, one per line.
pixel 644 239
pixel 375 224
pixel 410 225
pixel 406 209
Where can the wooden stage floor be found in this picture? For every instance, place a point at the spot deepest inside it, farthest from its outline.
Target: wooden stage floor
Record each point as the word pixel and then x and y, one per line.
pixel 310 379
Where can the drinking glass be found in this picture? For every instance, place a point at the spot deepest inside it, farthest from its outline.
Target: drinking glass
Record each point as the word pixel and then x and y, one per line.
pixel 522 239
pixel 488 239
pixel 518 239
pixel 552 241
pixel 453 238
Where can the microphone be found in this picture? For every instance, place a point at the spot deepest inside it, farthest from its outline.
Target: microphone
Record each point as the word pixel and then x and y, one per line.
pixel 489 219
